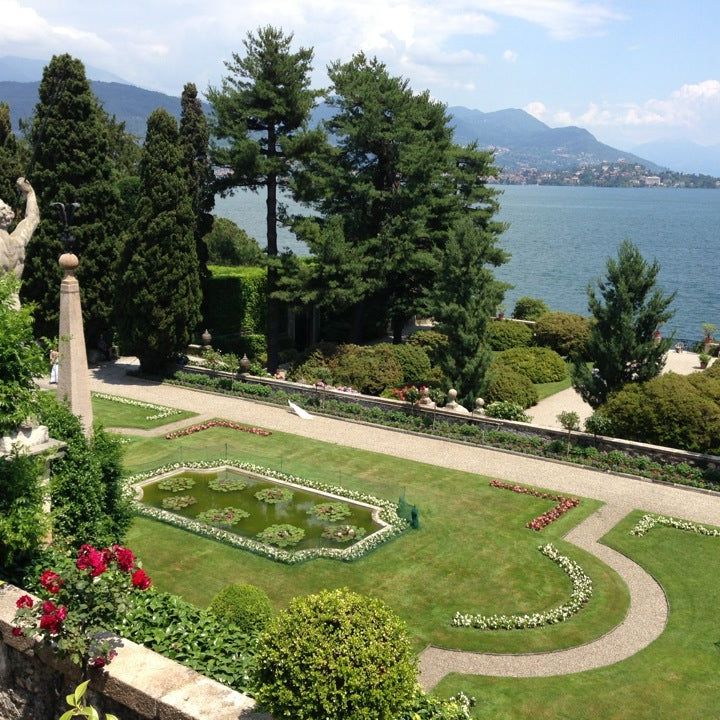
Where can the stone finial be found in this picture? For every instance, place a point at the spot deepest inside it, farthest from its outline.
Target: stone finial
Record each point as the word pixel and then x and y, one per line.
pixel 479 406
pixel 244 363
pixel 68 262
pixel 425 400
pixel 452 395
pixel 206 338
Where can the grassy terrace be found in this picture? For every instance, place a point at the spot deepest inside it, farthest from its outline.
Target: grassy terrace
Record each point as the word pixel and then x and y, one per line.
pixel 115 414
pixel 675 677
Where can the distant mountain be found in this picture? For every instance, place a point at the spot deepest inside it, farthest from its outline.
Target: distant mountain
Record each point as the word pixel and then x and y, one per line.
pixel 683 155
pixel 20 69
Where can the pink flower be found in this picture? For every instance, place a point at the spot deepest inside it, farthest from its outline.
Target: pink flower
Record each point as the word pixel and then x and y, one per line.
pixel 51 581
pixel 124 557
pixel 24 601
pixel 141 580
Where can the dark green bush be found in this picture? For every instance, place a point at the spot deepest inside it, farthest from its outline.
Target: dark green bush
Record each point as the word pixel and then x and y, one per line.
pixel 506 334
pixel 336 654
pixel 246 606
pixel 229 244
pixel 414 362
pixel 506 385
pixel 529 308
pixel 538 364
pixel 235 300
pixel 433 342
pixel 565 333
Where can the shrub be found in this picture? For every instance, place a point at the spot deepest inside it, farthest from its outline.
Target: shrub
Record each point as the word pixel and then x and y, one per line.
pixel 336 654
pixel 246 606
pixel 414 362
pixel 565 333
pixel 229 244
pixel 506 411
pixel 369 369
pixel 433 342
pixel 235 300
pixel 598 424
pixel 506 385
pixel 506 334
pixel 539 365
pixel 529 308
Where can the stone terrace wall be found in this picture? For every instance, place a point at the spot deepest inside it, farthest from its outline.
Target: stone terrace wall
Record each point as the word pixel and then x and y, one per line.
pixel 138 685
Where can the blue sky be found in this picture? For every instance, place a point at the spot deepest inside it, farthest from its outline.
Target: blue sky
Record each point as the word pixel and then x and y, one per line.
pixel 630 71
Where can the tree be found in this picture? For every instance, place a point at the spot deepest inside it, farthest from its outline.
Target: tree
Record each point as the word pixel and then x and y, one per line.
pixel 464 297
pixel 158 302
pixel 228 244
pixel 627 311
pixel 12 158
pixel 195 142
pixel 261 115
pixel 71 162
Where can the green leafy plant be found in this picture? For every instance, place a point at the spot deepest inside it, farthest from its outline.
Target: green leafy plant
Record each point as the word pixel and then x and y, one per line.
pixel 274 495
pixel 246 606
pixel 538 364
pixel 223 516
pixel 178 502
pixel 227 483
pixel 330 511
pixel 176 484
pixel 506 411
pixel 283 535
pixel 565 333
pixel 343 533
pixel 507 385
pixel 79 707
pixel 506 334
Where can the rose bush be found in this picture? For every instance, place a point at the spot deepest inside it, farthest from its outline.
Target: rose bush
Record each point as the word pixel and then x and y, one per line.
pixel 563 503
pixel 217 423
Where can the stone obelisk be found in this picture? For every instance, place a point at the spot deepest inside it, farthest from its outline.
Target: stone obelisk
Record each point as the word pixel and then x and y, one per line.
pixel 73 380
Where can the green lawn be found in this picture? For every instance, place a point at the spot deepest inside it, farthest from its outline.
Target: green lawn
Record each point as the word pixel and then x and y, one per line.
pixel 115 414
pixel 472 553
pixel 551 388
pixel 675 677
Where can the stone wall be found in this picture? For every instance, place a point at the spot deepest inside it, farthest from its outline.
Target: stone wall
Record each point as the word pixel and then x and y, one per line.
pixel 138 685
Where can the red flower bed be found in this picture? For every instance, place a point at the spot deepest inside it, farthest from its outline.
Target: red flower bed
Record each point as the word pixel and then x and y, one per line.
pixel 563 503
pixel 217 423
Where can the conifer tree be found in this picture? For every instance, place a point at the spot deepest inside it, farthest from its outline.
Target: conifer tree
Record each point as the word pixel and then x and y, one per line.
pixel 261 115
pixel 159 293
pixel 71 162
pixel 11 158
pixel 195 141
pixel 627 309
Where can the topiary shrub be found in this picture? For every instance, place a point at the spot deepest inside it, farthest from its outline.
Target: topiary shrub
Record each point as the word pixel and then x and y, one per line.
pixel 565 333
pixel 529 308
pixel 246 606
pixel 414 362
pixel 538 364
pixel 336 654
pixel 506 411
pixel 433 342
pixel 506 385
pixel 506 334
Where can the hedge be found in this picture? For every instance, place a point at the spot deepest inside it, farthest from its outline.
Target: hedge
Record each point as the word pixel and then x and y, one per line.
pixel 506 334
pixel 537 364
pixel 508 386
pixel 246 606
pixel 565 333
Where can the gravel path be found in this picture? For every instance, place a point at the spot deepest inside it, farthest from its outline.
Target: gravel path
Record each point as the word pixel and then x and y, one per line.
pixel 648 608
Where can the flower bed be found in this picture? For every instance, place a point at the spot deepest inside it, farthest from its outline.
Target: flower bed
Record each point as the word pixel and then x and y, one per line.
pixel 160 411
pixel 648 522
pixel 581 593
pixel 393 524
pixel 217 423
pixel 541 521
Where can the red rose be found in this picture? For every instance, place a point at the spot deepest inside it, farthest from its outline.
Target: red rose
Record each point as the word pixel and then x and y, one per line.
pixel 24 601
pixel 98 662
pixel 108 556
pixel 51 581
pixel 48 607
pixel 17 632
pixel 124 558
pixel 141 580
pixel 89 558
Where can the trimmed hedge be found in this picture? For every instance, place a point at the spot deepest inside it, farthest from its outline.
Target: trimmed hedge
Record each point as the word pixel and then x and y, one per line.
pixel 246 606
pixel 506 385
pixel 415 363
pixel 537 364
pixel 565 333
pixel 506 334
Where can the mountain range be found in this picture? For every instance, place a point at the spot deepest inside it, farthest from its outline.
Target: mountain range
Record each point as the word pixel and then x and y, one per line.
pixel 519 139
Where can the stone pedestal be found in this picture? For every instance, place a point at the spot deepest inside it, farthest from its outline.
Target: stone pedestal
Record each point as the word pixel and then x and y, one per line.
pixel 73 380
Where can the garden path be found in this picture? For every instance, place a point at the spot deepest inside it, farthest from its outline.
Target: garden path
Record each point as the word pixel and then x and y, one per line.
pixel 648 609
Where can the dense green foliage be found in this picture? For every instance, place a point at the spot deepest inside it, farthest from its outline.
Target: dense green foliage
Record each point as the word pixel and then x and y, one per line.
pixel 505 334
pixel 565 333
pixel 158 301
pixel 627 311
pixel 86 488
pixel 507 385
pixel 433 342
pixel 336 654
pixel 12 158
pixel 228 244
pixel 674 410
pixel 194 142
pixel 538 364
pixel 245 606
pixel 529 308
pixel 506 411
pixel 71 162
pixel 21 359
pixel 414 362
pixel 261 115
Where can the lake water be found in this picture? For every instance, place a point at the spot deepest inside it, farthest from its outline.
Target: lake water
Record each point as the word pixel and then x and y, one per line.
pixel 561 237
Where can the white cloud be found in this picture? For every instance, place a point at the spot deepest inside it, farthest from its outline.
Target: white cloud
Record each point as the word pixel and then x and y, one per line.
pixel 536 109
pixel 510 56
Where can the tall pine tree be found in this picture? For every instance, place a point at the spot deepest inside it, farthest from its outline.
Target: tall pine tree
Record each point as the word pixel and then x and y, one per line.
pixel 71 162
pixel 195 142
pixel 159 293
pixel 261 115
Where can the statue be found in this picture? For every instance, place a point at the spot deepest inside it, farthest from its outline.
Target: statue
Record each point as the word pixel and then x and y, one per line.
pixel 12 245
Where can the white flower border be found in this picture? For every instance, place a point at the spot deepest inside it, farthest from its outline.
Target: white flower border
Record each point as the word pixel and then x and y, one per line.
pixel 162 412
pixel 582 592
pixel 386 514
pixel 648 522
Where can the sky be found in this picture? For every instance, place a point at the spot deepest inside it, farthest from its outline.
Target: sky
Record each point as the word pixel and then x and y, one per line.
pixel 630 71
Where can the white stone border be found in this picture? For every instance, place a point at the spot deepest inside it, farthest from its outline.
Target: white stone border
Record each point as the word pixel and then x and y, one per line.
pixel 384 512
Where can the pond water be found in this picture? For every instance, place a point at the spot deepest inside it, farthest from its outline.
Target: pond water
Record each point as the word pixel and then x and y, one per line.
pixel 261 514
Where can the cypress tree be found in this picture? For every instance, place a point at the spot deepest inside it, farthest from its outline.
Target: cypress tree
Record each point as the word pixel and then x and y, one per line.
pixel 159 295
pixel 11 160
pixel 195 142
pixel 71 162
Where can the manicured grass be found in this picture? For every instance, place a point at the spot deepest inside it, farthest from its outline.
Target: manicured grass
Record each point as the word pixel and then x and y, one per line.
pixel 675 677
pixel 551 388
pixel 472 553
pixel 115 414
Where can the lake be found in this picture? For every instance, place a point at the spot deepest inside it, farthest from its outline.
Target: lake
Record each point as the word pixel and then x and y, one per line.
pixel 561 237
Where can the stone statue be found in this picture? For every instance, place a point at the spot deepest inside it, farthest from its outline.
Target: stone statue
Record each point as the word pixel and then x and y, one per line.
pixel 12 245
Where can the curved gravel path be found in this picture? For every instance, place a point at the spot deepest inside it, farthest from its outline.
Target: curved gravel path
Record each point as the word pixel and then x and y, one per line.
pixel 648 608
